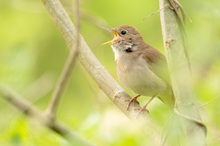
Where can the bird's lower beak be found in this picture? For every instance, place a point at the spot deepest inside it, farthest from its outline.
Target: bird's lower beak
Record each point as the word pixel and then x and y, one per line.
pixel 115 36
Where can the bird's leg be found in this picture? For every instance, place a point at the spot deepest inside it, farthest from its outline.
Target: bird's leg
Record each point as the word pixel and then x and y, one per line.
pixel 145 106
pixel 133 100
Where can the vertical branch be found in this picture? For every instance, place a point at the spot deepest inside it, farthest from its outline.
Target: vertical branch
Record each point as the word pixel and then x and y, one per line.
pixel 186 108
pixel 68 67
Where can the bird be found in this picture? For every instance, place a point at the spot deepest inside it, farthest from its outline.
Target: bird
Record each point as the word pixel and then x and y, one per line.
pixel 140 67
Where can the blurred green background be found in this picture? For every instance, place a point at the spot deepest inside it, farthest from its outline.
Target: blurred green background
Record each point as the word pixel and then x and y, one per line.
pixel 33 52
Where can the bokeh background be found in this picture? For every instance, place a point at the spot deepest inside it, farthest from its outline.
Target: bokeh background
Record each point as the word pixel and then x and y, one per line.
pixel 33 52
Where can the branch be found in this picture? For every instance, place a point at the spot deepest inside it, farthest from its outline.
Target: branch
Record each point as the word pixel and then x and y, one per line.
pixel 29 110
pixel 67 70
pixel 192 125
pixel 104 80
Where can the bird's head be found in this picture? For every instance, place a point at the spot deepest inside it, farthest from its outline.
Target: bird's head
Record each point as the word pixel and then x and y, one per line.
pixel 125 38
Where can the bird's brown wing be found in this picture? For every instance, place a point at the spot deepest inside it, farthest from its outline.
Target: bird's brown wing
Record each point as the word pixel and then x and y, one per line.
pixel 158 65
pixel 157 62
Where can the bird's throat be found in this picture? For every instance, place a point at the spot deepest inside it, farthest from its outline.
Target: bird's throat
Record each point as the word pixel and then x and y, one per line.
pixel 116 53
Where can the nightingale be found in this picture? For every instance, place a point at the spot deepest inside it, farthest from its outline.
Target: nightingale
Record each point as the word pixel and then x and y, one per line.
pixel 140 67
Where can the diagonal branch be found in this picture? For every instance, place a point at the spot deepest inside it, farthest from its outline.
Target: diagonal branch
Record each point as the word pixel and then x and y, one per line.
pixel 29 110
pixel 104 80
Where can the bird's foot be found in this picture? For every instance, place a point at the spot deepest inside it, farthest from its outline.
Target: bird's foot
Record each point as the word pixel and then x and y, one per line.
pixel 133 100
pixel 145 106
pixel 142 110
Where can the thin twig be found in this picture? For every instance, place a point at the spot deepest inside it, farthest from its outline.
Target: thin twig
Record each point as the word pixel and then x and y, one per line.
pixel 67 70
pixel 205 104
pixel 39 88
pixel 29 110
pixel 175 5
pixel 94 20
pixel 155 12
pixel 183 11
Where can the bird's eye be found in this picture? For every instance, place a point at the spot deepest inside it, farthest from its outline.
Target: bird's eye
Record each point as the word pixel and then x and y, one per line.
pixel 123 32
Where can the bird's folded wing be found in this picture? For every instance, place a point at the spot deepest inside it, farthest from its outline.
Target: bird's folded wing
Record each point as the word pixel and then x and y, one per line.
pixel 157 63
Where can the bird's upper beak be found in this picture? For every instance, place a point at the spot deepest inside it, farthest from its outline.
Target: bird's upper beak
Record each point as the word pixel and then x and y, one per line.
pixel 112 30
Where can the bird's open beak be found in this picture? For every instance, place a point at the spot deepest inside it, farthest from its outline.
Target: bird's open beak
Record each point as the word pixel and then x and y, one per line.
pixel 115 35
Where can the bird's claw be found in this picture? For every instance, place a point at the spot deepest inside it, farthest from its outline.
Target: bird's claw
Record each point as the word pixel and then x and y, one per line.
pixel 133 100
pixel 142 110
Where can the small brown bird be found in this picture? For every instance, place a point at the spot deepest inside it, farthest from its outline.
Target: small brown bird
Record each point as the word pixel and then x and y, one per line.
pixel 140 67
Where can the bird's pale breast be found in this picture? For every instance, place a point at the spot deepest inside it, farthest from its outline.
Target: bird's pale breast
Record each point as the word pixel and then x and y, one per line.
pixel 134 73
